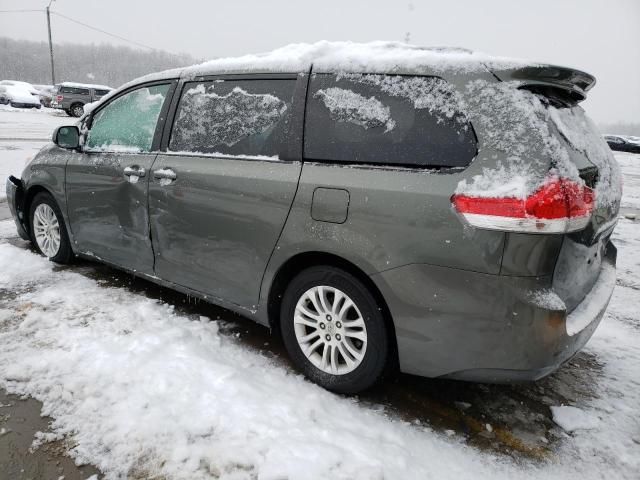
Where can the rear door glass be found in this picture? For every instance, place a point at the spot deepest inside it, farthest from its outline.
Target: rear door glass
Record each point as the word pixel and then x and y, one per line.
pixel 233 117
pixel 386 119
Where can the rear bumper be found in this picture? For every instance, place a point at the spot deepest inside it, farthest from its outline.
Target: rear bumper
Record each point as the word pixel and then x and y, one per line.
pixel 15 196
pixel 488 328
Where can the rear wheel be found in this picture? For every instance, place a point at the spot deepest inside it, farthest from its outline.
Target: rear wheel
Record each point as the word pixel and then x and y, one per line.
pixel 76 110
pixel 48 231
pixel 334 330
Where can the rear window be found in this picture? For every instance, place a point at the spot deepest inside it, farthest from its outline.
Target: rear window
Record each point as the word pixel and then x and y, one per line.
pixel 233 117
pixel 386 119
pixel 74 90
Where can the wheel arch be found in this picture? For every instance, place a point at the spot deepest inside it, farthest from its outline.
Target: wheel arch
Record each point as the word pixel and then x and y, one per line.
pixel 301 261
pixel 29 195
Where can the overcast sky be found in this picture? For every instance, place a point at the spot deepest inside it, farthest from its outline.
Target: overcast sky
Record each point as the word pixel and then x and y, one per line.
pixel 600 37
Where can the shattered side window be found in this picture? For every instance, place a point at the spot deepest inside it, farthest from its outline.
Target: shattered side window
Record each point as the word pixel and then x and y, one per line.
pixel 233 117
pixel 128 123
pixel 387 119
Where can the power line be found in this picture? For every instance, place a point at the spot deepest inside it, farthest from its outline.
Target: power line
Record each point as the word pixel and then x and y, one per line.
pixel 102 31
pixel 20 11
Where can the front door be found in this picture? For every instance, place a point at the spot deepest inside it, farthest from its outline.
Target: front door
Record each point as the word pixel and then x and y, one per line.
pixel 107 184
pixel 220 194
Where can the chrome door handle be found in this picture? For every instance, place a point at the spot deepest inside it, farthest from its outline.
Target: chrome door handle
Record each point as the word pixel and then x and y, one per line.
pixel 167 173
pixel 134 171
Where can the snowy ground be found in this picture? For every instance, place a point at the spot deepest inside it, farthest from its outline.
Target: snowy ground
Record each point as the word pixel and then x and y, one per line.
pixel 141 383
pixel 23 132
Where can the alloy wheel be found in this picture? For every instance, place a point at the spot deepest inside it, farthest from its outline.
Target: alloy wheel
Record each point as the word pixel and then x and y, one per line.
pixel 330 330
pixel 46 229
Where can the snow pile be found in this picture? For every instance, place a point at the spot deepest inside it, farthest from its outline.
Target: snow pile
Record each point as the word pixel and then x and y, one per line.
pixel 348 106
pixel 230 118
pixel 572 418
pixel 143 391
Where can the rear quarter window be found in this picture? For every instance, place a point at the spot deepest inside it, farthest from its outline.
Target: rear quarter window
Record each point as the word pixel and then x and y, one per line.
pixel 101 93
pixel 233 117
pixel 386 119
pixel 74 90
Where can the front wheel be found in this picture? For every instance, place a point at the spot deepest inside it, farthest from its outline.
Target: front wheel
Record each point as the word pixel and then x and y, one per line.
pixel 48 232
pixel 334 330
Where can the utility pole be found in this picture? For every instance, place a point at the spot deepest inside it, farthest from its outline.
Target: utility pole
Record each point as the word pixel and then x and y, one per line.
pixel 53 75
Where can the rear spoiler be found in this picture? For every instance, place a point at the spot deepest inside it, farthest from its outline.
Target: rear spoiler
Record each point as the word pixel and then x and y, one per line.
pixel 573 83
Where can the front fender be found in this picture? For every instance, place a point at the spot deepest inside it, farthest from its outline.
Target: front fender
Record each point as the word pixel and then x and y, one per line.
pixel 15 199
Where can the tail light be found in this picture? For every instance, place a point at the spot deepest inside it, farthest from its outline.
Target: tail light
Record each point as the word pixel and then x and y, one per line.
pixel 59 98
pixel 560 205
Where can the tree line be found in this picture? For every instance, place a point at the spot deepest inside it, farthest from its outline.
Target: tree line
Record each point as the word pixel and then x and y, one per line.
pixel 104 64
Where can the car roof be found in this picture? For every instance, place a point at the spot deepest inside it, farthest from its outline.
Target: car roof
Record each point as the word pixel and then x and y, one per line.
pixel 84 85
pixel 324 56
pixel 379 57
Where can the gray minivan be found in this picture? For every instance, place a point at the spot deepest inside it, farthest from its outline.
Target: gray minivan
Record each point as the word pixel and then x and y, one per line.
pixel 380 206
pixel 72 97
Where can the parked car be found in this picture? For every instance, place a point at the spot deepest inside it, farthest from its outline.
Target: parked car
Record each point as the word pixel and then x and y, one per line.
pixel 622 143
pixel 71 97
pixel 377 205
pixel 46 93
pixel 18 97
pixel 24 85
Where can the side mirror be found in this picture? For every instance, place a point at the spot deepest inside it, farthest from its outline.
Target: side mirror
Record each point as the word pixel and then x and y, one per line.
pixel 67 137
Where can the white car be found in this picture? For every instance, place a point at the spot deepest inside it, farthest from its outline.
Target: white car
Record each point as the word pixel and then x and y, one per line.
pixel 18 96
pixel 25 85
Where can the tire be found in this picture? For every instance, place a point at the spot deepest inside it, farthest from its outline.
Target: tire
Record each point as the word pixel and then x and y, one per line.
pixel 364 320
pixel 42 210
pixel 76 110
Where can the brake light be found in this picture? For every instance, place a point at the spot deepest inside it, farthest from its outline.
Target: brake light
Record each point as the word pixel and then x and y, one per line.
pixel 59 98
pixel 560 205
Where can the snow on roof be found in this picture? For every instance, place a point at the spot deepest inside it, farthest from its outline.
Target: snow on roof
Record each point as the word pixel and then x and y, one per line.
pixel 380 57
pixel 84 85
pixel 325 56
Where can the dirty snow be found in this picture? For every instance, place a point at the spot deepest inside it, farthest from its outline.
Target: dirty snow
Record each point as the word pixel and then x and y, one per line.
pixel 349 106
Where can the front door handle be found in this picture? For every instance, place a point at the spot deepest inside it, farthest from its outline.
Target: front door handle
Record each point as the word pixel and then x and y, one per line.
pixel 165 173
pixel 134 171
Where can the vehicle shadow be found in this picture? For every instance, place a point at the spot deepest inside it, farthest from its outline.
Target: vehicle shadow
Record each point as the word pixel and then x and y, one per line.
pixel 509 419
